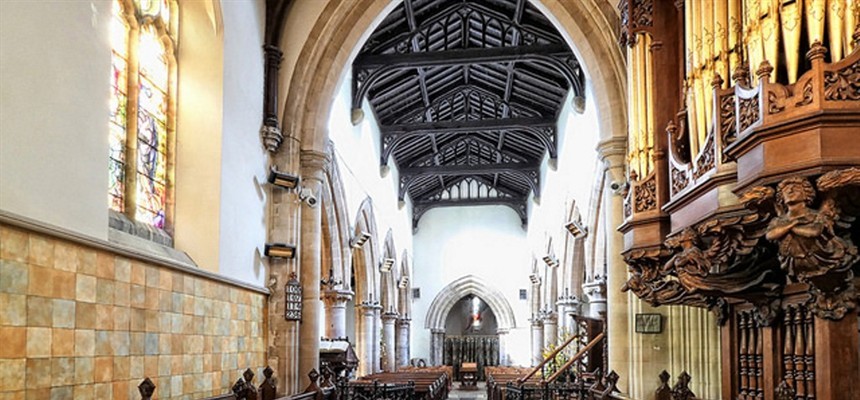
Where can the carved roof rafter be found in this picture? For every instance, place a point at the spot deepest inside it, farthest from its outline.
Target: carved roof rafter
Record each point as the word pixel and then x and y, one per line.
pixel 467 94
pixel 528 173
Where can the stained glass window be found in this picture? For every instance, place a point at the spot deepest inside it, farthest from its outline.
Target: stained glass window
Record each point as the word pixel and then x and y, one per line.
pixel 141 72
pixel 118 109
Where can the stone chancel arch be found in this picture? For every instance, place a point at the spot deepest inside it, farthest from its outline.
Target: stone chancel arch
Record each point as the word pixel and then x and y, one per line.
pixel 315 69
pixel 450 295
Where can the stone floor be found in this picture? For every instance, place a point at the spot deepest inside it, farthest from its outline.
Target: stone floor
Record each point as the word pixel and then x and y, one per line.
pixel 480 393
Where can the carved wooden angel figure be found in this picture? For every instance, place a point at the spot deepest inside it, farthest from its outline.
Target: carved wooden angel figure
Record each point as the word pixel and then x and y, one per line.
pixel 691 264
pixel 814 247
pixel 808 244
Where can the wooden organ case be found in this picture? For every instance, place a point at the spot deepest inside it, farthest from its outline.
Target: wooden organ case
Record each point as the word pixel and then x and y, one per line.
pixel 744 183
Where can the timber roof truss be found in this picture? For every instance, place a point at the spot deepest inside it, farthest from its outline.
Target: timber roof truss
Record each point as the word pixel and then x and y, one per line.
pixel 467 94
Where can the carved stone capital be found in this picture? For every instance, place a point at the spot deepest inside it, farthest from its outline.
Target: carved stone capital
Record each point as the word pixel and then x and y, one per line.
pixel 314 164
pixel 595 289
pixel 271 135
pixel 368 307
pixel 572 301
pixel 612 152
pixel 336 298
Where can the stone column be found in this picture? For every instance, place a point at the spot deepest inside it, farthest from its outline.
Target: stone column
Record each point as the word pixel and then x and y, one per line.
pixel 284 220
pixel 612 153
pixel 552 287
pixel 550 328
pixel 596 292
pixel 313 165
pixel 568 305
pixel 389 319
pixel 377 338
pixel 537 340
pixel 367 310
pixel 335 312
pixel 402 341
pixel 437 345
pixel 503 346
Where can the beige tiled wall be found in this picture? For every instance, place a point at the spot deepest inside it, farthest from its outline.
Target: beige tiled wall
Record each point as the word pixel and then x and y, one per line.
pixel 83 323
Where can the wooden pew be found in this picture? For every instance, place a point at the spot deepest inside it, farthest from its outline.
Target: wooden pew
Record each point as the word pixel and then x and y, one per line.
pixel 498 378
pixel 427 385
pixel 244 388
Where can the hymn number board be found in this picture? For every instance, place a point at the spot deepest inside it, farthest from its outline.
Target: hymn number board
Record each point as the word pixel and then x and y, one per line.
pixel 293 300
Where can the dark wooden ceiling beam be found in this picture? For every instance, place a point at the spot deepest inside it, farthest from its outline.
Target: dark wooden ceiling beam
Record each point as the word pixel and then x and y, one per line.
pixel 468 126
pixel 461 57
pixel 527 174
pixel 509 81
pixel 458 140
pixel 543 134
pixel 369 69
pixel 447 170
pixel 448 95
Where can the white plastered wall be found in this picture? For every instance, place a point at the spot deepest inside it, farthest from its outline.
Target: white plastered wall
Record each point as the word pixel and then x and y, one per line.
pixel 243 161
pixel 198 148
pixel 55 79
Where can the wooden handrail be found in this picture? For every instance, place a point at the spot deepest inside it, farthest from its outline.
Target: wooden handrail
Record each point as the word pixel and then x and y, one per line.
pixel 546 360
pixel 576 357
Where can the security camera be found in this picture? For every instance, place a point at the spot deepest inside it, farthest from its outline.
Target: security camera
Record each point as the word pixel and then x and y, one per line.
pixel 307 196
pixel 311 201
pixel 617 187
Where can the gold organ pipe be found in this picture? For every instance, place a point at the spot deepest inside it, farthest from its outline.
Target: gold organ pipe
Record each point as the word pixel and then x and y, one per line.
pixel 688 38
pixel 735 31
pixel 698 84
pixel 721 38
pixel 790 12
pixel 835 20
pixel 632 119
pixel 815 10
pixel 752 37
pixel 649 101
pixel 642 106
pixel 690 81
pixel 707 68
pixel 852 17
pixel 770 33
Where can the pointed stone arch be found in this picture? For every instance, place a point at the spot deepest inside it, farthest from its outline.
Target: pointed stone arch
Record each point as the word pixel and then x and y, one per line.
pixel 337 257
pixel 365 257
pixel 365 261
pixel 404 310
pixel 470 284
pixel 404 287
pixel 388 285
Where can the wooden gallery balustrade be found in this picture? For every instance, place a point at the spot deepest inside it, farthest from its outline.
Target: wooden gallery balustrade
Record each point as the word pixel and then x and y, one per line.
pixel 747 205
